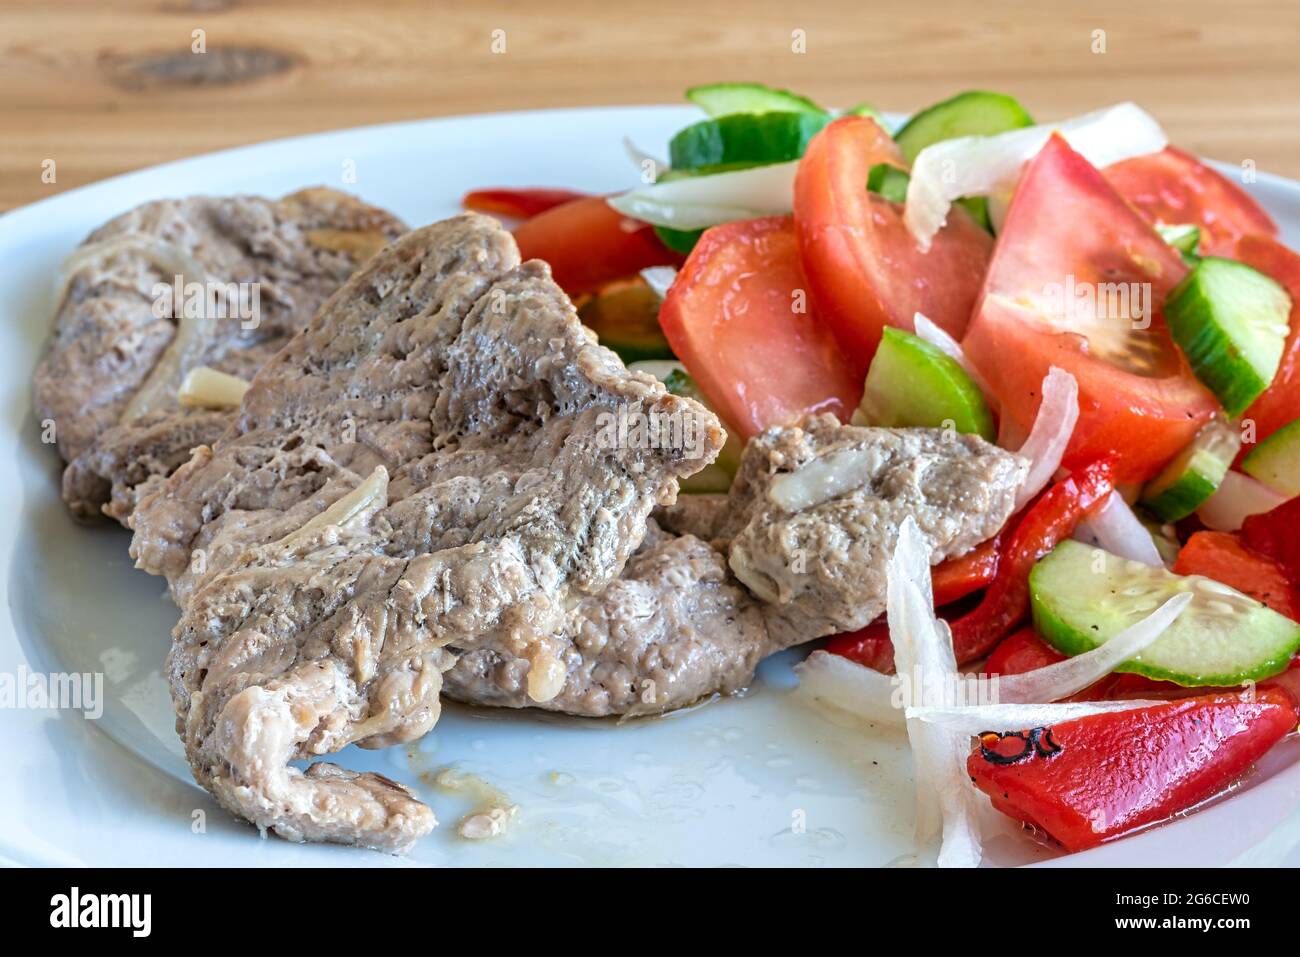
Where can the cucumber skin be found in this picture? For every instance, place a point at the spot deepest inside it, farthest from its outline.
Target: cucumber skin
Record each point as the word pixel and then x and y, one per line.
pixel 1072 641
pixel 907 349
pixel 679 240
pixel 1215 359
pixel 757 139
pixel 1182 498
pixel 1282 445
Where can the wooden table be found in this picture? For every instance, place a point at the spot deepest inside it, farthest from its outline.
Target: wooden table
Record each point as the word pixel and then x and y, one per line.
pixel 104 86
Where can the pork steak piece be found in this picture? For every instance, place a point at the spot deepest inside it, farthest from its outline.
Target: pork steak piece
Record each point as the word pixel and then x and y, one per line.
pixel 444 458
pixel 253 272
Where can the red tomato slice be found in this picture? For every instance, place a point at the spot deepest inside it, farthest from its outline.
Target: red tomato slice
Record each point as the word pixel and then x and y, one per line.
pixel 1225 558
pixel 588 244
pixel 521 203
pixel 1092 779
pixel 736 319
pixel 1280 402
pixel 1067 237
pixel 863 266
pixel 1176 188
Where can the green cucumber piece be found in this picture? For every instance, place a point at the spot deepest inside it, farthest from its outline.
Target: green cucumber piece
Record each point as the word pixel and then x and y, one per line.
pixel 1231 323
pixel 627 321
pixel 1083 597
pixel 724 99
pixel 718 474
pixel 1185 238
pixel 889 181
pixel 973 113
pixel 911 383
pixel 748 138
pixel 1186 482
pixel 679 240
pixel 866 109
pixel 1276 460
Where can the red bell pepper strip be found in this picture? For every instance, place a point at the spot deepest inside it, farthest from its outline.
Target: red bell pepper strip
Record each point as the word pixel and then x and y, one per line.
pixel 1226 558
pixel 589 244
pixel 868 646
pixel 1092 779
pixel 1048 521
pixel 1275 535
pixel 520 203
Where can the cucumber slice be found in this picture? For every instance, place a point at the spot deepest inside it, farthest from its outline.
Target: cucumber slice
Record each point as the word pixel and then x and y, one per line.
pixel 1193 476
pixel 627 321
pixel 1231 323
pixel 1186 239
pixel 679 240
pixel 889 181
pixel 1276 460
pixel 724 99
pixel 718 474
pixel 973 113
pixel 1083 596
pixel 748 138
pixel 911 383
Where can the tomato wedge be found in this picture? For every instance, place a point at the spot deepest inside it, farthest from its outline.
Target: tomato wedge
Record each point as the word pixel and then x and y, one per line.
pixel 864 268
pixel 522 203
pixel 1176 188
pixel 1077 281
pixel 1280 402
pixel 1226 558
pixel 736 318
pixel 588 244
pixel 1092 779
pixel 1274 534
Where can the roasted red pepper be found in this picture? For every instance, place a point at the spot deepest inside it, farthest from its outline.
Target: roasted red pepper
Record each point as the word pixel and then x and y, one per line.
pixel 520 203
pixel 589 244
pixel 1092 779
pixel 868 646
pixel 1225 558
pixel 1047 522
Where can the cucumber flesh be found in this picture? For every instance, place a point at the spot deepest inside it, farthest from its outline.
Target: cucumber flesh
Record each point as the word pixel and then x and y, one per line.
pixel 743 138
pixel 1185 238
pixel 1276 460
pixel 627 321
pixel 724 99
pixel 1083 597
pixel 889 181
pixel 911 383
pixel 1191 478
pixel 973 113
pixel 1231 322
pixel 718 474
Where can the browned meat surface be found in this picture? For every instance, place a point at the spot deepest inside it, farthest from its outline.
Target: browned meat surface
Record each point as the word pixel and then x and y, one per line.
pixel 814 514
pixel 426 470
pixel 109 380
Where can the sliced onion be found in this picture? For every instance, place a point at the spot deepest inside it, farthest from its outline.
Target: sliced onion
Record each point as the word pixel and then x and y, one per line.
pixel 659 279
pixel 1237 497
pixel 850 687
pixel 1053 427
pixel 927 329
pixel 1116 529
pixel 987 165
pixel 701 201
pixel 970 720
pixel 165 257
pixel 946 802
pixel 640 157
pixel 1060 680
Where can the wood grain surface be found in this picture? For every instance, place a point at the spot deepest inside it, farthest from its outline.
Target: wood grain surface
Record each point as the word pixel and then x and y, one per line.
pixel 105 86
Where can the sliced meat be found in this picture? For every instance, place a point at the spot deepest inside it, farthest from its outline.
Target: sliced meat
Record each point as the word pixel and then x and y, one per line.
pixel 814 515
pixel 433 465
pixel 116 356
pixel 675 628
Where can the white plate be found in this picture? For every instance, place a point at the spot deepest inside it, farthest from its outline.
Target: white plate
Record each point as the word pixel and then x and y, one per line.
pixel 757 781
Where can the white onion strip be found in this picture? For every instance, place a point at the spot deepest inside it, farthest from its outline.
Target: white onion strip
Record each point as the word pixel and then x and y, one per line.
pixel 970 720
pixel 1116 529
pixel 987 165
pixel 660 279
pixel 698 202
pixel 927 329
pixel 1237 498
pixel 835 681
pixel 1060 680
pixel 1053 427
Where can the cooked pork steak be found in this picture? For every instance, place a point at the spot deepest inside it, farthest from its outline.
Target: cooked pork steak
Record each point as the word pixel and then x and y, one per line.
pixel 437 463
pixel 109 380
